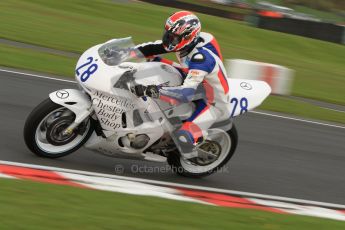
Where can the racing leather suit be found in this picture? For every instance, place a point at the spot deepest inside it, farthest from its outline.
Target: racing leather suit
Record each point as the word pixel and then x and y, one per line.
pixel 205 84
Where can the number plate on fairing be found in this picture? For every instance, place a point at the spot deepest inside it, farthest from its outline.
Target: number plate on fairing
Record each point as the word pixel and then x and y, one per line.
pixel 246 95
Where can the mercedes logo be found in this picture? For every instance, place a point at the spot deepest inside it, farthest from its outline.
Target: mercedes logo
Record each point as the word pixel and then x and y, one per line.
pixel 62 94
pixel 246 86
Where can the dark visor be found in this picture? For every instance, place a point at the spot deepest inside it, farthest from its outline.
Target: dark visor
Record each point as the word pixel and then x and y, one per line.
pixel 171 39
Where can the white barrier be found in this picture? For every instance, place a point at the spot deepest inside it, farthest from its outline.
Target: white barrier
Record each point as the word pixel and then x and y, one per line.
pixel 278 77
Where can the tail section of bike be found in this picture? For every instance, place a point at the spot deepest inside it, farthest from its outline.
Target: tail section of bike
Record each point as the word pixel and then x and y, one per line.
pixel 245 95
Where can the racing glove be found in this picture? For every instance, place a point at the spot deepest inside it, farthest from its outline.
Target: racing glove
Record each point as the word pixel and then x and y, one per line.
pixel 150 91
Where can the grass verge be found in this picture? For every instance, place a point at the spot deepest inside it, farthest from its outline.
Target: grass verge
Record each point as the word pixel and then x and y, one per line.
pixel 32 205
pixel 302 109
pixel 37 61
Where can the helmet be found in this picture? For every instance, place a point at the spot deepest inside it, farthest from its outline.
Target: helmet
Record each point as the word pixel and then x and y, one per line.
pixel 181 30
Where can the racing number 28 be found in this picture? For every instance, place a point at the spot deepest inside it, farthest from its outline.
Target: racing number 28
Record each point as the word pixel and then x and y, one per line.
pixel 89 71
pixel 243 103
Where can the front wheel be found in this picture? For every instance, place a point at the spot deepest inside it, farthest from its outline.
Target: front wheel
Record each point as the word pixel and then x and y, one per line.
pixel 219 143
pixel 43 131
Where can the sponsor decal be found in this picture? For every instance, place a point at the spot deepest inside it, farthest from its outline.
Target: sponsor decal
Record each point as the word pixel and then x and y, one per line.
pixel 110 108
pixel 246 85
pixel 194 73
pixel 62 94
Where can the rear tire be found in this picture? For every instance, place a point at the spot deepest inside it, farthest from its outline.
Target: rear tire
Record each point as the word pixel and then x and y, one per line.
pixel 37 120
pixel 174 159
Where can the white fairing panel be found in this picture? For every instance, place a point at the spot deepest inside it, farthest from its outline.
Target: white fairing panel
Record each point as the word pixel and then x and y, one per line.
pixel 73 99
pixel 92 72
pixel 157 73
pixel 108 86
pixel 246 95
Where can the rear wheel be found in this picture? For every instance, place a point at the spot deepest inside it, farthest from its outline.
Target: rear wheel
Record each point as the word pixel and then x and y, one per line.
pixel 220 145
pixel 43 131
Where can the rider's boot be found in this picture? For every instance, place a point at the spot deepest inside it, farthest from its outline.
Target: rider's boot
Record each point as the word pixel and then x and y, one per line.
pixel 187 148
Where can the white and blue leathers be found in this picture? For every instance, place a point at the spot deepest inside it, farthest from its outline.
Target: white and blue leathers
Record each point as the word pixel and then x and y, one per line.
pixel 205 84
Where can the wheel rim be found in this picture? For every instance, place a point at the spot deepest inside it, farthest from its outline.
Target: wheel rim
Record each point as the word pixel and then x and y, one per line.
pixel 218 138
pixel 49 137
pixel 213 149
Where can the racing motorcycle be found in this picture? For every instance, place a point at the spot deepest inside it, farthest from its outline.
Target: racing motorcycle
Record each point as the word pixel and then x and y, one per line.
pixel 104 115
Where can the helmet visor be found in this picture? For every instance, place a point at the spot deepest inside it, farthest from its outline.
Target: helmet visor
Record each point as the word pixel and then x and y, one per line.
pixel 171 40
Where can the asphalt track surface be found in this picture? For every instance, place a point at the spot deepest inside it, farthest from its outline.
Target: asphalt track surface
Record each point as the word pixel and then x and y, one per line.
pixel 275 156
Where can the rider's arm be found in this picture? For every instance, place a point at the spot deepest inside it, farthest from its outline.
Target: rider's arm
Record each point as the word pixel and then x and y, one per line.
pixel 201 64
pixel 151 49
pixel 189 91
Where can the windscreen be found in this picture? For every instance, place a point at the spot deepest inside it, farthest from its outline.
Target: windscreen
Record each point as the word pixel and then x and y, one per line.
pixel 117 51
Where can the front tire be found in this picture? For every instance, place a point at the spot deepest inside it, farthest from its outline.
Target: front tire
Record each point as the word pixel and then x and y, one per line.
pixel 196 168
pixel 43 131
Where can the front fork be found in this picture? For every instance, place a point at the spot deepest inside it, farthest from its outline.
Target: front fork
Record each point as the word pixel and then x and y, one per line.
pixel 77 102
pixel 79 119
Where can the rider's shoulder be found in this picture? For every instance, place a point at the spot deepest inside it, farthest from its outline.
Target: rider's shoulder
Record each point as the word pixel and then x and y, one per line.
pixel 200 55
pixel 201 58
pixel 206 36
pixel 205 39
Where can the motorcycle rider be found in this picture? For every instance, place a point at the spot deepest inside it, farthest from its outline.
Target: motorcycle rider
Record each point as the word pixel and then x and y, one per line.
pixel 205 81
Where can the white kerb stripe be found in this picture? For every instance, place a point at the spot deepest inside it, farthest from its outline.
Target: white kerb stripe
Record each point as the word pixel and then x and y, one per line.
pixel 301 209
pixel 164 183
pixel 129 187
pixel 2 175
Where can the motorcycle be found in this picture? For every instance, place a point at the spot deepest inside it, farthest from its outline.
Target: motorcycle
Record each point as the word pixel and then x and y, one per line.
pixel 103 115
